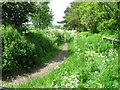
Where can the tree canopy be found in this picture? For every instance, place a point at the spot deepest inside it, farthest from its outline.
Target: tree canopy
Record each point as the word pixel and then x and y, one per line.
pixel 18 13
pixel 43 17
pixel 93 16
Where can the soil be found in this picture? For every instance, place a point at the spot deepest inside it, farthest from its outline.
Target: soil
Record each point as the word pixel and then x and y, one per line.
pixel 47 68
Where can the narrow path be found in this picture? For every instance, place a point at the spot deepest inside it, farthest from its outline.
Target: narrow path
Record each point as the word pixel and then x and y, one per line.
pixel 49 66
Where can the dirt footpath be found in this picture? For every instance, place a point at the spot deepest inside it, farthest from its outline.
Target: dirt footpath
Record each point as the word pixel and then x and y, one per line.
pixel 49 66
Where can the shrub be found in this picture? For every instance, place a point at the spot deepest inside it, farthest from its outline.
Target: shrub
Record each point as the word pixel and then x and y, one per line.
pixel 17 53
pixel 69 37
pixel 56 37
pixel 60 38
pixel 107 25
pixel 42 43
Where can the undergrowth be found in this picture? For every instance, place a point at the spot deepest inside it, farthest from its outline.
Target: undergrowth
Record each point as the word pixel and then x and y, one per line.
pixel 25 52
pixel 92 63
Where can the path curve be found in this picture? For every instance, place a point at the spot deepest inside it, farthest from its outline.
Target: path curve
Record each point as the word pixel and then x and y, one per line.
pixel 49 66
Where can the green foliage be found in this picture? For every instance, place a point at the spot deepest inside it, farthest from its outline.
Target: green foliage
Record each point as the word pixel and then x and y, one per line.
pixel 88 67
pixel 69 37
pixel 43 16
pixel 107 25
pixel 93 64
pixel 93 16
pixel 43 42
pixel 17 13
pixel 20 13
pixel 18 53
pixel 25 52
pixel 59 38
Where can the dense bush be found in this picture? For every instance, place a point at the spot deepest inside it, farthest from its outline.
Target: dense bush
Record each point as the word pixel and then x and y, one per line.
pixel 93 64
pixel 43 45
pixel 17 51
pixel 69 37
pixel 59 37
pixel 55 36
pixel 25 51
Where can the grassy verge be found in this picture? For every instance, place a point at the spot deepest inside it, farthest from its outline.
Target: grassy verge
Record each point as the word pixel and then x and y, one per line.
pixel 46 47
pixel 92 63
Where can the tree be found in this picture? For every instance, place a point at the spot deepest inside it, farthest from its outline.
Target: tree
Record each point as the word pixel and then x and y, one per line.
pixel 73 17
pixel 17 13
pixel 93 16
pixel 43 16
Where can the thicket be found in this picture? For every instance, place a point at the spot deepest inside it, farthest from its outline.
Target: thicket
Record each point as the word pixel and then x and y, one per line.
pixel 45 43
pixel 92 63
pixel 24 52
pixel 17 52
pixel 22 49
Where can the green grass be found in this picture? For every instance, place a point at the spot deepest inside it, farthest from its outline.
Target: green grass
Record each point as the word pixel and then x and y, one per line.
pixel 46 44
pixel 45 48
pixel 92 63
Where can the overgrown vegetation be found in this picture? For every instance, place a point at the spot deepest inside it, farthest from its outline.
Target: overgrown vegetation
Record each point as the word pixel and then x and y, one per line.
pixel 18 53
pixel 25 52
pixel 21 14
pixel 22 48
pixel 93 16
pixel 92 63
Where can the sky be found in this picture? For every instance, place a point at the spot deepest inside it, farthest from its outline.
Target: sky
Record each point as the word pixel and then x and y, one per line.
pixel 58 7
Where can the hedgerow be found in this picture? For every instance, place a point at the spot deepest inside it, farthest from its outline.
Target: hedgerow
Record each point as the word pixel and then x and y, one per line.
pixel 18 53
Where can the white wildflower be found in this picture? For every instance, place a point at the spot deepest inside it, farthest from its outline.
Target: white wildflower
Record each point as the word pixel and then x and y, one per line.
pixel 64 58
pixel 78 49
pixel 100 85
pixel 67 85
pixel 65 77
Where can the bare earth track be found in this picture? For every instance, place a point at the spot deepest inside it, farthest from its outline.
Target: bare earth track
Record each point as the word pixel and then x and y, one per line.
pixel 49 66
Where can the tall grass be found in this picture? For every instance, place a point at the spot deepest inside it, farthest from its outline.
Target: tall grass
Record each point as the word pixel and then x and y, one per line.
pixel 92 63
pixel 25 52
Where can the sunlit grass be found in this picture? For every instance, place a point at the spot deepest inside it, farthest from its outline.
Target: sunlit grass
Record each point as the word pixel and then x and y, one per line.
pixel 92 63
